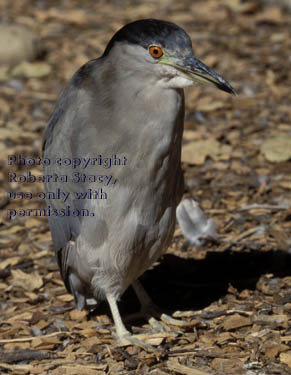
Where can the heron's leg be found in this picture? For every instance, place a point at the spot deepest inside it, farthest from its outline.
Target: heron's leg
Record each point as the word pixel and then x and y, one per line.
pixel 124 337
pixel 149 309
pixel 121 331
pixel 144 299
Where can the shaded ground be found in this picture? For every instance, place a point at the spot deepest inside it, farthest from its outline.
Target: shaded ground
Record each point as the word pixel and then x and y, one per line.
pixel 234 295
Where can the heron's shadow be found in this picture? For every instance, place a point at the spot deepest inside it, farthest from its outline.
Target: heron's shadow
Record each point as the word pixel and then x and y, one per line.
pixel 189 284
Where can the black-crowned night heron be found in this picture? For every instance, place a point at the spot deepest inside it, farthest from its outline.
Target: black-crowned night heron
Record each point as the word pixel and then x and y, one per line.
pixel 109 223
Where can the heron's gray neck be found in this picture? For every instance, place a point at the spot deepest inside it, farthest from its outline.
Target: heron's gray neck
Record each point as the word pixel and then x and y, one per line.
pixel 141 114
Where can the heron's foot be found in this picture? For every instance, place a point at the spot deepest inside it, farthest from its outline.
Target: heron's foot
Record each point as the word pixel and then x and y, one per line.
pixel 127 339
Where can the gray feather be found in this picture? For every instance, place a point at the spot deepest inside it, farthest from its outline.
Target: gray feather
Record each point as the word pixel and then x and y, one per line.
pixel 134 225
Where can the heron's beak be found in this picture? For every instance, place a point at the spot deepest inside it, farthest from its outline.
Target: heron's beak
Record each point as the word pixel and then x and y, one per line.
pixel 193 69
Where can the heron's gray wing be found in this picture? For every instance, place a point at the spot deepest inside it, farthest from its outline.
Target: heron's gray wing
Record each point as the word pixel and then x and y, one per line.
pixel 60 139
pixel 63 228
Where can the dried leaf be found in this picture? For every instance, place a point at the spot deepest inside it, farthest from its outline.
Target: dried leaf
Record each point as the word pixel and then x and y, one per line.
pixel 277 149
pixel 286 358
pixel 31 70
pixel 224 365
pixel 9 262
pixel 78 314
pixel 66 298
pixel 236 321
pixel 30 282
pixel 174 365
pixel 271 350
pixel 197 151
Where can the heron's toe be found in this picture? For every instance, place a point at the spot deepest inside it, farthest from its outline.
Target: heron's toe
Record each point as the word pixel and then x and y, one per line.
pixel 135 340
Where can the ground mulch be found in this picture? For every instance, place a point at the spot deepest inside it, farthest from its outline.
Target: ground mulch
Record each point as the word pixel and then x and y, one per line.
pixel 233 295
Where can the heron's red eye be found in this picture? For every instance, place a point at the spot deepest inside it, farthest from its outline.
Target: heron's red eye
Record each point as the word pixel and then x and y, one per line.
pixel 156 52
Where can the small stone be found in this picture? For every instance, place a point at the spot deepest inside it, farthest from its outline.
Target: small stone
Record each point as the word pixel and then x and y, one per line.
pixel 17 44
pixel 277 149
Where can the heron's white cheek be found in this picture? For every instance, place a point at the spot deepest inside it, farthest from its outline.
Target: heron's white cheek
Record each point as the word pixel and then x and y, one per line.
pixel 178 82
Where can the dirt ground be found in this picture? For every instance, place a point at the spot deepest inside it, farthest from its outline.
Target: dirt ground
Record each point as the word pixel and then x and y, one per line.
pixel 233 297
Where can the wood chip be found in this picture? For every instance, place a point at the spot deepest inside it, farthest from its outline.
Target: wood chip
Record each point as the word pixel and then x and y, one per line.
pixel 174 365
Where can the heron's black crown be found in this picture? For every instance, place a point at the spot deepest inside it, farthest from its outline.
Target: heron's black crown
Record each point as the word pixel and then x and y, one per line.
pixel 151 31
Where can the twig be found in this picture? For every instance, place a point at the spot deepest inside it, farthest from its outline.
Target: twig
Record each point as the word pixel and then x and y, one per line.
pixel 25 355
pixel 132 362
pixel 272 207
pixel 31 338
